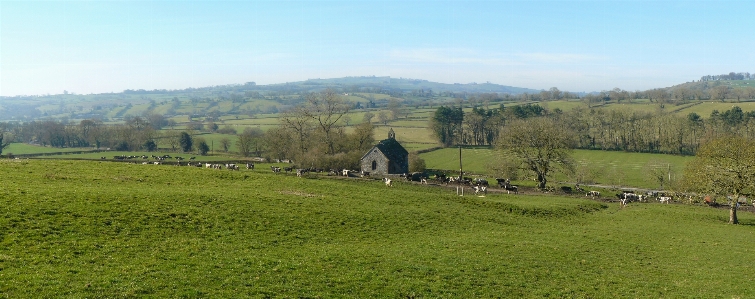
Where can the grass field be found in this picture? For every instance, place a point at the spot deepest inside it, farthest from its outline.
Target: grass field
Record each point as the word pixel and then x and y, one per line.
pixel 23 148
pixel 706 108
pixel 601 167
pixel 109 156
pixel 102 229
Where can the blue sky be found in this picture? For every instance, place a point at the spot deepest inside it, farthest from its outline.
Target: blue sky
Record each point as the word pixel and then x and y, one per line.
pixel 108 46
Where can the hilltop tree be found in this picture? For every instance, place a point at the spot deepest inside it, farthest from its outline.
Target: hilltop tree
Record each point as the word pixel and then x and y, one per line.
pixel 724 167
pixel 538 144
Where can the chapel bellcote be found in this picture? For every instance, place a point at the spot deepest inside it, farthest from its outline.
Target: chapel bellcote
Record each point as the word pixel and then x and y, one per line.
pixel 391 134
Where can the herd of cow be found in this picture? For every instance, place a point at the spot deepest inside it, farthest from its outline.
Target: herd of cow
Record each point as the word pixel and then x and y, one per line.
pixel 628 196
pixel 478 185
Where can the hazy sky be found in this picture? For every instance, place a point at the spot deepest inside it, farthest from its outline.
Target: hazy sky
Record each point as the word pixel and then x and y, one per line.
pixel 108 46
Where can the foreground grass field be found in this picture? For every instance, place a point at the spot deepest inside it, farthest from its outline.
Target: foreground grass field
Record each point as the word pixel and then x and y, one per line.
pixel 105 229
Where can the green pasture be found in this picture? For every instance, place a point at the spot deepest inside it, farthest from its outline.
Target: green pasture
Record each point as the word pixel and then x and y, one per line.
pixel 23 148
pixel 706 108
pixel 411 123
pixel 564 105
pixel 253 121
pixel 87 229
pixel 611 168
pixel 405 135
pixel 213 140
pixel 110 154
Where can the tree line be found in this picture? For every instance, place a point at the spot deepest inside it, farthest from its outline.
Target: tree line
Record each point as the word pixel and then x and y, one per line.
pixel 601 129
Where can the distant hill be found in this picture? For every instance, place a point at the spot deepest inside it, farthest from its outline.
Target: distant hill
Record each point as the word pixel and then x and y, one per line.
pixel 408 85
pixel 247 98
pixel 706 85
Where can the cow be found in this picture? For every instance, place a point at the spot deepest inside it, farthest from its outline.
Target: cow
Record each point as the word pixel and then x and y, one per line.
pixel 441 178
pixel 275 169
pixel 511 188
pixel 506 184
pixel 627 197
pixel 480 182
pixel 664 199
pixel 480 189
pixel 566 189
pixel 593 194
pixel 388 182
pixel 301 172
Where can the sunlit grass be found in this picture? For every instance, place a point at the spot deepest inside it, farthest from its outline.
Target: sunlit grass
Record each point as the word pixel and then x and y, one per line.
pixel 102 229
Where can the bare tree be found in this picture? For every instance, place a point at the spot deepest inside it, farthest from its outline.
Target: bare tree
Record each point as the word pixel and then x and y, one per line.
pixel 719 92
pixel 326 108
pixel 383 117
pixel 299 121
pixel 225 143
pixel 540 144
pixel 368 116
pixel 248 141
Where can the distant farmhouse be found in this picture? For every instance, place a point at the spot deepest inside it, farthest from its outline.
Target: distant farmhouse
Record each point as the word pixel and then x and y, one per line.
pixel 387 157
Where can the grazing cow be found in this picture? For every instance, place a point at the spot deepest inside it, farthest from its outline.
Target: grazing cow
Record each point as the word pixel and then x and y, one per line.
pixel 250 166
pixel 627 197
pixel 232 167
pixel 364 173
pixel 480 189
pixel 300 172
pixel 388 182
pixel 511 188
pixel 345 172
pixel 275 169
pixel 593 193
pixel 664 199
pixel 480 182
pixel 103 158
pixel 506 184
pixel 441 178
pixel 208 165
pixel 192 158
pixel 566 189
